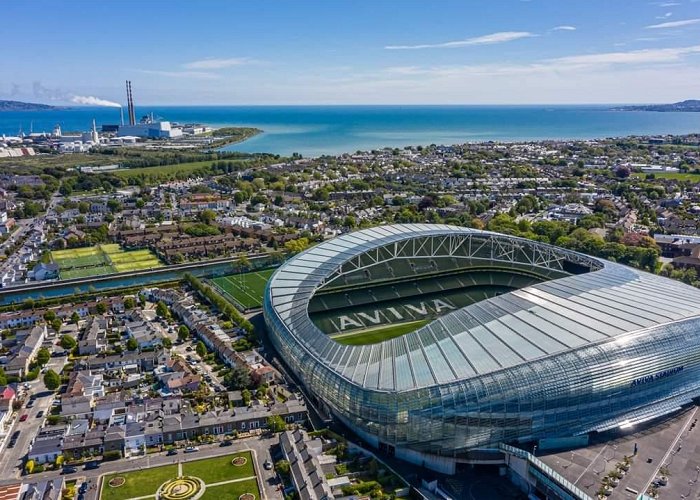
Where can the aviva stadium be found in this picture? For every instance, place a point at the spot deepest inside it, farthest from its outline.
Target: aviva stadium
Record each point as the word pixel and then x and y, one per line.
pixel 433 341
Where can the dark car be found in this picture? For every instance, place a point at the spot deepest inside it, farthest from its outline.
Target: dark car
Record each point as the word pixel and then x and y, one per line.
pixel 171 452
pixel 228 442
pixel 40 414
pixel 69 469
pixel 92 465
pixel 83 487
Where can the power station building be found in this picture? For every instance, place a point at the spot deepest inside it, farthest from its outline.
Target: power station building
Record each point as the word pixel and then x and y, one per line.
pixel 516 341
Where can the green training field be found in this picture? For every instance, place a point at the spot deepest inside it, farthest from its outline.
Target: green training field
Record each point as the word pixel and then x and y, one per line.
pixel 246 289
pixel 102 259
pixel 226 480
pixel 380 334
pixel 678 176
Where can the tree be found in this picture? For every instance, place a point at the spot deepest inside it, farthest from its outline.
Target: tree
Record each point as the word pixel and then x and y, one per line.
pixel 43 356
pixel 183 333
pixel 129 303
pixel 167 343
pixel 56 324
pixel 282 467
pixel 243 261
pixel 68 342
pixel 162 310
pixel 74 318
pixel 246 396
pixel 3 377
pixel 29 466
pixel 238 378
pixel 101 308
pixel 276 423
pixel 201 349
pixel 51 380
pixel 131 344
pixel 49 316
pixel 207 216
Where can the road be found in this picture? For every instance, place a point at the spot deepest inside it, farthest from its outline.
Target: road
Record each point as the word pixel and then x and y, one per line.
pixel 11 459
pixel 260 446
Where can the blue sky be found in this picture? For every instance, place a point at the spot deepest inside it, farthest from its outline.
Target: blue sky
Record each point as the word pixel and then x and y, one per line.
pixel 351 52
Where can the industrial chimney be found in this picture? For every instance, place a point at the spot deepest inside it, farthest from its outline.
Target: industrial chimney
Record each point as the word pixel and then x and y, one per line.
pixel 130 104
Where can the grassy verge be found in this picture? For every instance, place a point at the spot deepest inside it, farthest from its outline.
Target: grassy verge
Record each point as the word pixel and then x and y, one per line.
pixel 138 483
pixel 231 490
pixel 217 469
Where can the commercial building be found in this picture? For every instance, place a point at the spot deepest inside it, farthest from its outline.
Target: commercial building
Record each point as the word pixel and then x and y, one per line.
pixel 516 341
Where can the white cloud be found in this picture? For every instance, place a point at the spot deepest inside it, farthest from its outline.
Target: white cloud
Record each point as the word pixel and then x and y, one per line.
pixel 500 37
pixel 199 75
pixel 564 28
pixel 643 56
pixel 216 63
pixel 674 24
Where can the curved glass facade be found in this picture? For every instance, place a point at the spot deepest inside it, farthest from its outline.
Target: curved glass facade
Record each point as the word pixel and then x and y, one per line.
pixel 580 352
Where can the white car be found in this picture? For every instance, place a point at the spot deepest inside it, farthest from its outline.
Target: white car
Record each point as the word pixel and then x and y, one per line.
pixel 191 449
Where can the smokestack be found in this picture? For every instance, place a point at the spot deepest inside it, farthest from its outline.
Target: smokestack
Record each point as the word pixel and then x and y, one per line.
pixel 121 114
pixel 133 110
pixel 130 104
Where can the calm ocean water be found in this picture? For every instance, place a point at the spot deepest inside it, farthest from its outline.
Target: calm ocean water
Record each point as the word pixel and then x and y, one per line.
pixel 316 130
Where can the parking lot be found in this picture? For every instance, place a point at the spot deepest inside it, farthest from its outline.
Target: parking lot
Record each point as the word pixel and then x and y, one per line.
pixel 670 446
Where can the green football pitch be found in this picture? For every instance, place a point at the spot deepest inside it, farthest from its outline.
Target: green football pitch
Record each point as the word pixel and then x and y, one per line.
pixel 246 289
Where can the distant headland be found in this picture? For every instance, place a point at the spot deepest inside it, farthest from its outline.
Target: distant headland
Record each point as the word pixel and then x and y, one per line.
pixel 24 106
pixel 689 105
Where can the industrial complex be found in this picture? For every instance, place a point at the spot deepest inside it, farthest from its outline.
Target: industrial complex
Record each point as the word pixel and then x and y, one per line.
pixel 438 343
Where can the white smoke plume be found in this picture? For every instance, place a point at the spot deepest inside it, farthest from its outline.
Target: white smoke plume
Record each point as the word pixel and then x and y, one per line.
pixel 94 101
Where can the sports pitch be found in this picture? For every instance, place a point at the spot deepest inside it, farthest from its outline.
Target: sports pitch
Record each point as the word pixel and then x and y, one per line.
pixel 222 479
pixel 102 259
pixel 245 289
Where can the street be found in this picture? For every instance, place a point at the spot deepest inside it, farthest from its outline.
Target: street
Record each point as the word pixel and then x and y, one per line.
pixel 12 458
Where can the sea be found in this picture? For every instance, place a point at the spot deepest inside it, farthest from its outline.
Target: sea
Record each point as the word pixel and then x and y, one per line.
pixel 318 130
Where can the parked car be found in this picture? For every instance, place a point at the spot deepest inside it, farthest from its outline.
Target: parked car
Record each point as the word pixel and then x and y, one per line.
pixel 171 452
pixel 69 469
pixel 30 403
pixel 191 449
pixel 92 465
pixel 23 417
pixel 40 414
pixel 83 487
pixel 267 464
pixel 227 442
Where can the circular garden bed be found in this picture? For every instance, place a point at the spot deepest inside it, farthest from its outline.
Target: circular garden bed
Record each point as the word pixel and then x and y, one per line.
pixel 182 488
pixel 240 462
pixel 246 496
pixel 116 482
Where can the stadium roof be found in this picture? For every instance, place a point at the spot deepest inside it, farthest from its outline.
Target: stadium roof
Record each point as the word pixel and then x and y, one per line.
pixel 537 321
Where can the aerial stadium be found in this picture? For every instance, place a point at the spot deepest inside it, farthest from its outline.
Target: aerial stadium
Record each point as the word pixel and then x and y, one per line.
pixel 433 341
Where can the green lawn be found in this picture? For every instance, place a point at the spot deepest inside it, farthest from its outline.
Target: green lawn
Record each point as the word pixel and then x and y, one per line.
pixel 217 469
pixel 231 491
pixel 246 289
pixel 187 168
pixel 379 334
pixel 138 483
pixel 86 272
pixel 672 175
